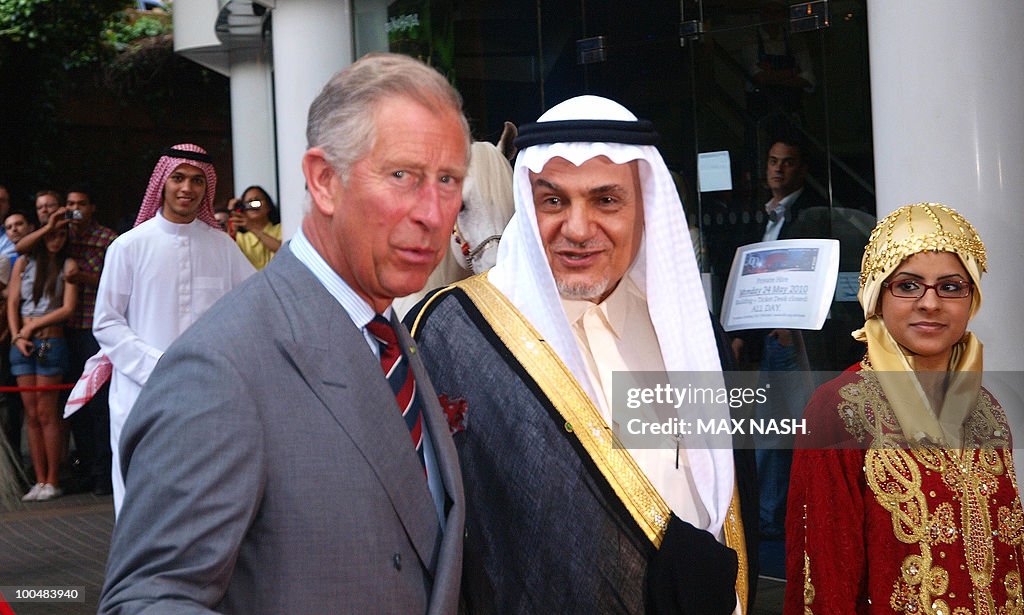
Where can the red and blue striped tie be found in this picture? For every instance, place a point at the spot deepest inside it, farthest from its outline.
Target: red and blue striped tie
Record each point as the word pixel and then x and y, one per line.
pixel 396 368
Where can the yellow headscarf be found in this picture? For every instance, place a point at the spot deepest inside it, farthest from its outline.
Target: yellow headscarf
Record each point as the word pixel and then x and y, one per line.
pixel 911 229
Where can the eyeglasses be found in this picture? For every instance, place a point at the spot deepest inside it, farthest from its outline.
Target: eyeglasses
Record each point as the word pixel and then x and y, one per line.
pixel 912 289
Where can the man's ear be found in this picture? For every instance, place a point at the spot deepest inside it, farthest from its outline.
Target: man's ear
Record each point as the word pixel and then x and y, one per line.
pixel 322 181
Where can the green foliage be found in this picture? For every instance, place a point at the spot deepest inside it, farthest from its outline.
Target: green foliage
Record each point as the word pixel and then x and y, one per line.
pixel 66 32
pixel 125 29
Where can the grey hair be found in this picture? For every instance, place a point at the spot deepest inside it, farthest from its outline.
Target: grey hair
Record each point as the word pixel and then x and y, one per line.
pixel 341 118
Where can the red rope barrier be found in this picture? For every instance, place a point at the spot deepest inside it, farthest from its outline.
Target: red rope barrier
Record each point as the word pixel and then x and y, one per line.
pixel 42 387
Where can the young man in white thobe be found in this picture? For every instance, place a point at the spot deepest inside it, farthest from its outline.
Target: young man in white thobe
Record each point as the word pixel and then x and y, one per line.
pixel 160 277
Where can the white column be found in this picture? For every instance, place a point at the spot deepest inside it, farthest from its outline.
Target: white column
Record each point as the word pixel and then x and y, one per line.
pixel 252 121
pixel 947 81
pixel 195 35
pixel 312 41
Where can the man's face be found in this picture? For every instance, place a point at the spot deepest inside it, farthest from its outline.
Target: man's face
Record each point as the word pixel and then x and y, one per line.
pixel 591 221
pixel 183 193
pixel 786 170
pixel 392 216
pixel 5 201
pixel 46 205
pixel 79 201
pixel 16 227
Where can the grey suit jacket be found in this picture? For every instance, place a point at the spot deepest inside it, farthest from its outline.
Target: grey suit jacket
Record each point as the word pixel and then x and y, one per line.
pixel 268 470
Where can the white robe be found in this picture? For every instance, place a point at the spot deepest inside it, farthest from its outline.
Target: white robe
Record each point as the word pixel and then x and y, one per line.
pixel 157 280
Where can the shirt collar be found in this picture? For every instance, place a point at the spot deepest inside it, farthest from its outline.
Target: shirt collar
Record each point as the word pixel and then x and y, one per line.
pixel 355 306
pixel 6 246
pixel 786 201
pixel 614 310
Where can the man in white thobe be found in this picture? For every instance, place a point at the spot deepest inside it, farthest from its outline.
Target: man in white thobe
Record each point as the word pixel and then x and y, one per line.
pixel 160 277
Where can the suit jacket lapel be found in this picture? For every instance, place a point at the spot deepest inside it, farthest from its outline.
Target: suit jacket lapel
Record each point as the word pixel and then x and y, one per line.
pixel 449 562
pixel 434 418
pixel 343 373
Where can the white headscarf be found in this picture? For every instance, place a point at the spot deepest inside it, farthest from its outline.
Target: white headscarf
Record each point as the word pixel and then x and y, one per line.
pixel 665 270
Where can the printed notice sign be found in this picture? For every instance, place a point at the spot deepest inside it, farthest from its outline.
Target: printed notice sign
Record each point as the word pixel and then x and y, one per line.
pixel 714 171
pixel 785 284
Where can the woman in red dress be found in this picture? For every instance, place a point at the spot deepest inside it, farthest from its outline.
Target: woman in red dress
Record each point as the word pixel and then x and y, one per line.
pixel 903 497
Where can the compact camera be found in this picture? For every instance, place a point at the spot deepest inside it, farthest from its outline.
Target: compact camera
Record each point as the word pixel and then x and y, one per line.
pixel 73 214
pixel 248 205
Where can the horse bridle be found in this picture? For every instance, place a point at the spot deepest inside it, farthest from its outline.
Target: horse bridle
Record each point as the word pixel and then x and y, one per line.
pixel 470 254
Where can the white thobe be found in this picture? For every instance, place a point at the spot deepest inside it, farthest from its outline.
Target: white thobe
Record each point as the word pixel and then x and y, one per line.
pixel 617 335
pixel 158 279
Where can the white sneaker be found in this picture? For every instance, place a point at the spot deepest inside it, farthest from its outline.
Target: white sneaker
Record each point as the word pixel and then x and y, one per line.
pixel 48 492
pixel 33 493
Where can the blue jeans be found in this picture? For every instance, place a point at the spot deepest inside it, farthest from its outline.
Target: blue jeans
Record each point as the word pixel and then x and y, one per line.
pixel 49 357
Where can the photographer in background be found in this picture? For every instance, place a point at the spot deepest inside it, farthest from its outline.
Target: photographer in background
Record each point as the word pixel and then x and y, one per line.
pixel 257 225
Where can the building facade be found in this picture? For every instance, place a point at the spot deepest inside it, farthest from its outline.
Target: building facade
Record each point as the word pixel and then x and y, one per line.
pixel 897 102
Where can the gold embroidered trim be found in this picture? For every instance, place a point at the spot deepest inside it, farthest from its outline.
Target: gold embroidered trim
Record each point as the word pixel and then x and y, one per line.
pixel 1014 600
pixel 866 415
pixel 808 585
pixel 540 361
pixel 972 482
pixel 950 232
pixel 736 540
pixel 1011 523
pixel 942 525
pixel 894 477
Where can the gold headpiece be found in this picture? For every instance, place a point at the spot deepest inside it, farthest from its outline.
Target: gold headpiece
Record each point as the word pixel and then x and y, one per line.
pixel 917 228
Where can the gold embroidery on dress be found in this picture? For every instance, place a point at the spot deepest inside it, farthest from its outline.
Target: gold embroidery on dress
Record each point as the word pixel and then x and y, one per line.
pixel 942 526
pixel 808 586
pixel 974 490
pixel 1014 602
pixel 986 427
pixel 894 476
pixel 865 413
pixel 1011 523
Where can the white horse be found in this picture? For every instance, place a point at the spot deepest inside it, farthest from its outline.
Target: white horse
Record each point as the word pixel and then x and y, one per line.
pixel 487 206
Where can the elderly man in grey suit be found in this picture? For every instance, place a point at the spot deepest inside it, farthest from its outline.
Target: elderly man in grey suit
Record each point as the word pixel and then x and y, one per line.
pixel 267 463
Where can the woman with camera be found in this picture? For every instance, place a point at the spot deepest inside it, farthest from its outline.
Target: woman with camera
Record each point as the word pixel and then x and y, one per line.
pixel 903 497
pixel 257 225
pixel 39 300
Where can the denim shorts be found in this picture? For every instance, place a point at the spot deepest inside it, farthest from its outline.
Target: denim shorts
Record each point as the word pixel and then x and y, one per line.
pixel 53 362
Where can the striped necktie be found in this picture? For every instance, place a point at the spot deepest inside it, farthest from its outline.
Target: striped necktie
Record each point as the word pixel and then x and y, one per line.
pixel 403 385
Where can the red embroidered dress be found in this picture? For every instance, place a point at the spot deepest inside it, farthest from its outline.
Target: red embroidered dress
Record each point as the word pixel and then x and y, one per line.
pixel 893 529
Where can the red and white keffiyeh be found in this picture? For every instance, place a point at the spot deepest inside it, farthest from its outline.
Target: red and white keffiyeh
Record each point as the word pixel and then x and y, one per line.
pixel 171 159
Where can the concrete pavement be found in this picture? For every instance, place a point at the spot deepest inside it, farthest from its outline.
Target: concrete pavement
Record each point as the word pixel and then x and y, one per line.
pixel 64 543
pixel 60 543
